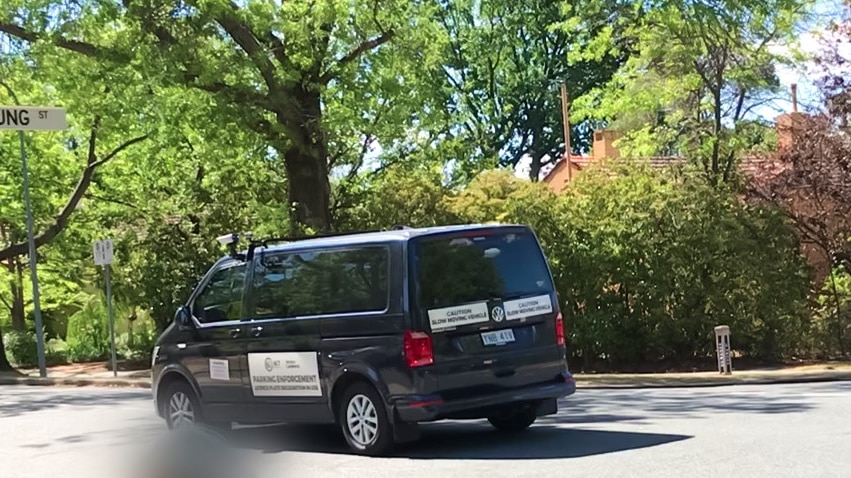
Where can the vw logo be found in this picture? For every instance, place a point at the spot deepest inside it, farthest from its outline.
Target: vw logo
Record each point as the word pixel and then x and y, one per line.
pixel 497 314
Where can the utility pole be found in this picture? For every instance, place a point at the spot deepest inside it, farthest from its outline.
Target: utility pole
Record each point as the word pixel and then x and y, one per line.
pixel 565 114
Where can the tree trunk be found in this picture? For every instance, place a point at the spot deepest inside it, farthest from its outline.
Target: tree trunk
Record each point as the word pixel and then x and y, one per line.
pixel 5 366
pixel 17 289
pixel 306 162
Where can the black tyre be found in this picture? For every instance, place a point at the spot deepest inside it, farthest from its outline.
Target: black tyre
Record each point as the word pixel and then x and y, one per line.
pixel 181 406
pixel 514 420
pixel 364 420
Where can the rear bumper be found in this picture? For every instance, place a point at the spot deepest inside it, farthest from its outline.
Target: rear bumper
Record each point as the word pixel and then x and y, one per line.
pixel 423 408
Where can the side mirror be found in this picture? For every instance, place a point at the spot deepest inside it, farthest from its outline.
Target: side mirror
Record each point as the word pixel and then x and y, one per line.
pixel 183 318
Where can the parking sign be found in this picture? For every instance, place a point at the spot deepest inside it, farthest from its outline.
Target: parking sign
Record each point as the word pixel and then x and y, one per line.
pixel 103 252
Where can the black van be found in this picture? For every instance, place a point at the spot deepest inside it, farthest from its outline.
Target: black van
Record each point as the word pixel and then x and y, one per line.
pixel 373 331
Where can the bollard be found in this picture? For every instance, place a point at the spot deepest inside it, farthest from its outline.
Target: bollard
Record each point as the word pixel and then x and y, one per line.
pixel 722 348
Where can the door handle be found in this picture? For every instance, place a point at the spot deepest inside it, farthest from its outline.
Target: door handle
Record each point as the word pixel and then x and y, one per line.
pixel 256 331
pixel 234 333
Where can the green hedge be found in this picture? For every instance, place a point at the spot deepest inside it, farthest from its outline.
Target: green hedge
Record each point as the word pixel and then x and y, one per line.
pixel 646 262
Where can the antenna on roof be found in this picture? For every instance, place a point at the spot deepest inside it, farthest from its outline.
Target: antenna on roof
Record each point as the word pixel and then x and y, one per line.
pixel 400 227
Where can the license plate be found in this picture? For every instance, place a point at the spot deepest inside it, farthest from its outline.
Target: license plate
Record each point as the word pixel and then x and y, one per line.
pixel 498 337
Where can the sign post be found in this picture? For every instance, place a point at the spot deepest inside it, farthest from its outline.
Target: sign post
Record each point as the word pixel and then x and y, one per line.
pixel 722 348
pixel 32 118
pixel 103 257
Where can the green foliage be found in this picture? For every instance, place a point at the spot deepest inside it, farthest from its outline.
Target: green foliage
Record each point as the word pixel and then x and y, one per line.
pixel 646 262
pixel 653 263
pixel 21 348
pixel 56 352
pixel 88 333
pixel 696 73
pixel 406 130
pixel 832 315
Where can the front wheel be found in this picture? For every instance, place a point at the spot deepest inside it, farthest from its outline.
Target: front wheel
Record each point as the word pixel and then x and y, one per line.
pixel 514 420
pixel 181 406
pixel 364 420
pixel 183 409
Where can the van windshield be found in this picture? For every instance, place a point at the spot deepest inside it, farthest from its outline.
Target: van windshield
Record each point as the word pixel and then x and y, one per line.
pixel 490 266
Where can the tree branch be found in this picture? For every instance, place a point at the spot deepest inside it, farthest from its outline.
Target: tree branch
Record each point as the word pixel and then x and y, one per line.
pixel 241 33
pixel 189 78
pixel 73 45
pixel 61 220
pixel 353 55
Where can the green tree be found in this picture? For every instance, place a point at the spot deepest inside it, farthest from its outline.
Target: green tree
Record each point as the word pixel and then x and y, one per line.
pixel 279 68
pixel 505 62
pixel 64 166
pixel 699 71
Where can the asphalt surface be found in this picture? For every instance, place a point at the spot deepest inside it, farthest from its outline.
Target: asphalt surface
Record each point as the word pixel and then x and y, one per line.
pixel 742 431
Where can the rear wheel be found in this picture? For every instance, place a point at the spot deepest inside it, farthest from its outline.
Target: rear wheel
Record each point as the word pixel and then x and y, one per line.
pixel 514 420
pixel 364 420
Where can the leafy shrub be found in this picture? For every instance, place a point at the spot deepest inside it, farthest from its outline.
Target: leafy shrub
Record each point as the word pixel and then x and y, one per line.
pixel 645 262
pixel 21 348
pixel 88 333
pixel 137 344
pixel 831 334
pixel 56 352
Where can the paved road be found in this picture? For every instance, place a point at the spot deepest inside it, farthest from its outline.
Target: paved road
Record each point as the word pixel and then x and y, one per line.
pixel 742 431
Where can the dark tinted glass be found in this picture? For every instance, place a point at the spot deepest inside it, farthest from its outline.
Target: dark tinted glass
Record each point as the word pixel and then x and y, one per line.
pixel 467 269
pixel 221 299
pixel 321 283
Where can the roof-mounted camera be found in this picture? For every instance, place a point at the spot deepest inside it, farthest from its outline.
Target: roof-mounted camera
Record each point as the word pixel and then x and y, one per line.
pixel 232 241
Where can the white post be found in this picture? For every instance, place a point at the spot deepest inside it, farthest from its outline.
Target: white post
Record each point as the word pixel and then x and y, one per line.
pixel 722 349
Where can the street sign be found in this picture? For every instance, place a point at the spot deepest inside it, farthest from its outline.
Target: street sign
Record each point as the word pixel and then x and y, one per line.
pixel 103 252
pixel 33 118
pixel 103 257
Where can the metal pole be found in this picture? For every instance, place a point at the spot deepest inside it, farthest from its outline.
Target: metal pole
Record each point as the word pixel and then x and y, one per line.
pixel 106 269
pixel 39 329
pixel 42 367
pixel 565 111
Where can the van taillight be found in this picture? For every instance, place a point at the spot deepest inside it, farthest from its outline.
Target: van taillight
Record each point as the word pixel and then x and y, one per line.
pixel 418 350
pixel 559 329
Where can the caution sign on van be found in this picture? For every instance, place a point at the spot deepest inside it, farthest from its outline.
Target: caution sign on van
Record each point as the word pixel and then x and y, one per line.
pixel 284 374
pixel 451 317
pixel 528 307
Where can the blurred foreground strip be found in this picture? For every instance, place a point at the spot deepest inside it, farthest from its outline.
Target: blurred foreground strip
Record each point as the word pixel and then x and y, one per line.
pixel 193 452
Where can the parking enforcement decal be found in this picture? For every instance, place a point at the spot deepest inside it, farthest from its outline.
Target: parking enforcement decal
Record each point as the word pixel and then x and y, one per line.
pixel 284 374
pixel 457 316
pixel 529 307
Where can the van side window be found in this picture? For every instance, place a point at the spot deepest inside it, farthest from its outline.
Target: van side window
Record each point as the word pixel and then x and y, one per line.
pixel 221 299
pixel 321 283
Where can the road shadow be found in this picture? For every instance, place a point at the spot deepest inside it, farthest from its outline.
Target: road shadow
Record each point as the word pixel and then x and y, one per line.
pixel 14 402
pixel 459 441
pixel 649 404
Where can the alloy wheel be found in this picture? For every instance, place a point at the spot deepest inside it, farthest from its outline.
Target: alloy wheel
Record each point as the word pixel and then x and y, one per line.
pixel 180 410
pixel 362 420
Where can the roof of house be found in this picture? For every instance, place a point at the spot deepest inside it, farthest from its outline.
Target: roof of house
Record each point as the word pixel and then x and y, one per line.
pixel 749 164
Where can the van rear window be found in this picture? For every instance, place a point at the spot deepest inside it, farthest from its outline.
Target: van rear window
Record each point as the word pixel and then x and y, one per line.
pixel 457 270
